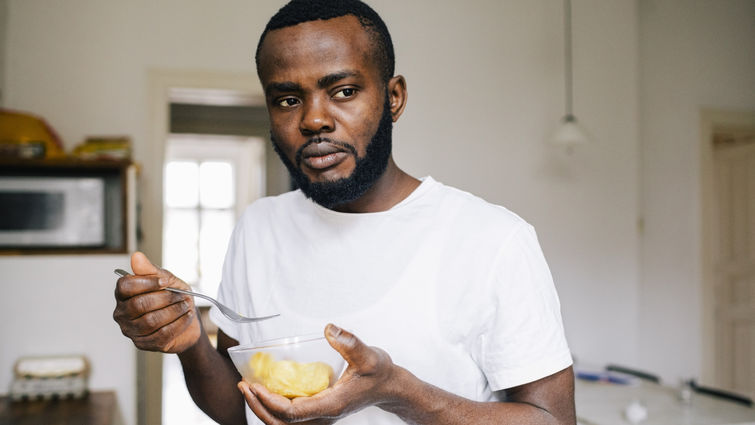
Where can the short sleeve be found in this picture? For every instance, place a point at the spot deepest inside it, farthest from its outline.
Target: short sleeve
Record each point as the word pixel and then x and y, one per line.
pixel 524 339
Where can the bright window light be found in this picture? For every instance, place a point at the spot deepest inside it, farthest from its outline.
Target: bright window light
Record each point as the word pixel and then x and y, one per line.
pixel 216 184
pixel 180 241
pixel 208 182
pixel 181 178
pixel 214 234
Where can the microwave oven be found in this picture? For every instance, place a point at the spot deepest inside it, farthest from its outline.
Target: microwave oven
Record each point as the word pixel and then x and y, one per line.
pixel 67 205
pixel 52 211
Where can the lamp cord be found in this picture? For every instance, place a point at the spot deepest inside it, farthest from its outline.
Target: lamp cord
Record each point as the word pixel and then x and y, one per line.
pixel 568 57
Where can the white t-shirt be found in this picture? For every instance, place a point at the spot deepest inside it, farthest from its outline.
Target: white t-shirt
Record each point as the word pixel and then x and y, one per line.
pixel 455 289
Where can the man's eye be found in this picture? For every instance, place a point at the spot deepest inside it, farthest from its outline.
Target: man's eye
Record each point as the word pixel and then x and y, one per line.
pixel 344 93
pixel 288 102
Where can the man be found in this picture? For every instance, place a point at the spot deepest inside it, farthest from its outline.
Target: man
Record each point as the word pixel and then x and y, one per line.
pixel 454 291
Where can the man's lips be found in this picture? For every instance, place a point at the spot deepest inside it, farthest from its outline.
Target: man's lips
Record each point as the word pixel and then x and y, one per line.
pixel 321 155
pixel 325 161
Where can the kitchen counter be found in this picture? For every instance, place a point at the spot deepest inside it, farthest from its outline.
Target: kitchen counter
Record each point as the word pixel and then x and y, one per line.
pixel 601 403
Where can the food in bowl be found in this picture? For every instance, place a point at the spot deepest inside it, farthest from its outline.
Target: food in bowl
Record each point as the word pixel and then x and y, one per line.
pixel 289 378
pixel 299 366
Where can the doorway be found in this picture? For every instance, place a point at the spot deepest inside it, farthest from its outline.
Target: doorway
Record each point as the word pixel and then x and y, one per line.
pixel 212 125
pixel 730 252
pixel 209 179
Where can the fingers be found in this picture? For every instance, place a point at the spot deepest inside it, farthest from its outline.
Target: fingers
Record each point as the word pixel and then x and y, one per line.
pixel 352 349
pixel 143 314
pixel 149 322
pixel 138 305
pixel 159 321
pixel 323 407
pixel 257 407
pixel 140 314
pixel 272 408
pixel 144 279
pixel 147 277
pixel 341 340
pixel 154 319
pixel 168 337
pixel 129 286
pixel 141 265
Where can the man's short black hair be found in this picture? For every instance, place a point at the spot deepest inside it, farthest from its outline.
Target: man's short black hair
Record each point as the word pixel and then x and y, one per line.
pixel 298 11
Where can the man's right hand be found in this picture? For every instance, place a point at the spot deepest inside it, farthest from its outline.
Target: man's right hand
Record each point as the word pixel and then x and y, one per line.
pixel 155 320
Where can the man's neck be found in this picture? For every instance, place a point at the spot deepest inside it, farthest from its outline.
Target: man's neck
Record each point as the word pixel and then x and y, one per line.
pixel 390 189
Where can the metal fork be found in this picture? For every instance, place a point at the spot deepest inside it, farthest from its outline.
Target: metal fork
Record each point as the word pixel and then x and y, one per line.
pixel 227 312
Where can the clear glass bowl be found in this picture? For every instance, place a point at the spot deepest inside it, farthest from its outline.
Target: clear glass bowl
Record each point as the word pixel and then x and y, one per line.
pixel 296 366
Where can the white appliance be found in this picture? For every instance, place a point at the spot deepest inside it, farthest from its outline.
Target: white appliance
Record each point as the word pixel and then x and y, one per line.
pixel 56 212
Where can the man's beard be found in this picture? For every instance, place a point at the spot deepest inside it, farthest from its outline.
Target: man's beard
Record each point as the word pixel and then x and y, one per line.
pixel 367 170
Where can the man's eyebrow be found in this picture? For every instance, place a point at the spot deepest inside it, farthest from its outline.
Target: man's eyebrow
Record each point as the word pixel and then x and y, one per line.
pixel 290 86
pixel 286 86
pixel 335 77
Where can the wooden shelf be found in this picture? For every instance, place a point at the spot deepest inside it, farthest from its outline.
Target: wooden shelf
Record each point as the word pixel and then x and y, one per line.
pixel 97 408
pixel 64 166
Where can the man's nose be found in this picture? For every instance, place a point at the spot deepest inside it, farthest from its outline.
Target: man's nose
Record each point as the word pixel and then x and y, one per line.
pixel 315 118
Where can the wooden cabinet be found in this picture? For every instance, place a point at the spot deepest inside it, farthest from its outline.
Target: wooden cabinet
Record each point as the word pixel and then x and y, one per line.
pixel 97 408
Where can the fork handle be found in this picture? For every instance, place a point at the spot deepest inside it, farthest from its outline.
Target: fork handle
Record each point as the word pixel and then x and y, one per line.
pixel 124 273
pixel 193 294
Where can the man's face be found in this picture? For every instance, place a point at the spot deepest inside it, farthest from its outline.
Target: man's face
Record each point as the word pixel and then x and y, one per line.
pixel 328 107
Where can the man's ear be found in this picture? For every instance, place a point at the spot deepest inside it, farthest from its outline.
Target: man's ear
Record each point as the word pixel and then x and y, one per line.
pixel 397 94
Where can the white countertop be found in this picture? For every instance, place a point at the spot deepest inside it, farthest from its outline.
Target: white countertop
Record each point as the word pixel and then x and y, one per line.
pixel 601 403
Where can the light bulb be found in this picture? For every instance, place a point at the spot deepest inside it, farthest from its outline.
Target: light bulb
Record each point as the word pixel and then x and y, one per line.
pixel 569 133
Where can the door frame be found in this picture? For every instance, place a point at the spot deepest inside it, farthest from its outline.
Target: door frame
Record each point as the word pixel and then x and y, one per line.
pixel 712 120
pixel 160 83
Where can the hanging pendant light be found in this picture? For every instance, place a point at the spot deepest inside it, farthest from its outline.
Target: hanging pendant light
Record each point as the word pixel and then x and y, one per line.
pixel 570 133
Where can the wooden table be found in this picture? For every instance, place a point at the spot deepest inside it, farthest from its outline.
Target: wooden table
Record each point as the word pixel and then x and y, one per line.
pixel 601 403
pixel 97 408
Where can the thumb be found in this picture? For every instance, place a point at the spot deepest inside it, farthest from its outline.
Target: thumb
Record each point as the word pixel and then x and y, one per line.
pixel 141 265
pixel 351 348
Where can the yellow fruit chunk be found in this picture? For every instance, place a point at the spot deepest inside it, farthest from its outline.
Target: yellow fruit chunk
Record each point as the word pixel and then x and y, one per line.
pixel 289 378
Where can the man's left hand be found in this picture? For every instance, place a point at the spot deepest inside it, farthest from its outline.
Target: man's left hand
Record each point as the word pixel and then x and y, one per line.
pixel 367 381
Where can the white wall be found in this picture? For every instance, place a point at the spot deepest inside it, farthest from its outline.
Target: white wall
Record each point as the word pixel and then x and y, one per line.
pixel 486 90
pixel 3 26
pixel 694 55
pixel 485 80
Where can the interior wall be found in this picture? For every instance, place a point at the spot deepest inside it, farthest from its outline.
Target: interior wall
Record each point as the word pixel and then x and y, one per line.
pixel 694 55
pixel 486 90
pixel 3 27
